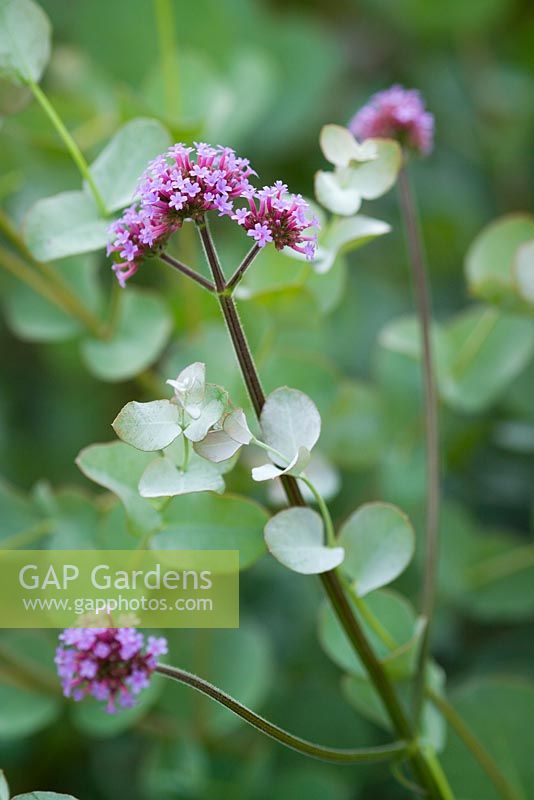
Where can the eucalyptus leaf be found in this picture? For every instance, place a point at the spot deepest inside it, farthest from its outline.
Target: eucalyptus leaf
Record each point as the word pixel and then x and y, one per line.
pixel 499 712
pixel 118 467
pixel 211 412
pixel 379 543
pixel 148 426
pixel 4 788
pixel 484 352
pixel 117 169
pixel 236 427
pixel 162 478
pixel 396 619
pixel 217 446
pixel 190 388
pixel 141 331
pixel 33 318
pixel 340 147
pixel 296 466
pixel 295 537
pixel 213 522
pixel 43 796
pixel 523 269
pixel 332 191
pixel 290 420
pixel 64 225
pixel 25 34
pixel 345 234
pixel 489 263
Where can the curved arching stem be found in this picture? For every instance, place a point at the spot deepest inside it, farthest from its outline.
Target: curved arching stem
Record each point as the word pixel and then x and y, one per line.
pixel 332 754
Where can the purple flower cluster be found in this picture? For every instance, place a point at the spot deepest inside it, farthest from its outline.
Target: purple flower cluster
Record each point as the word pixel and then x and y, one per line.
pixel 185 183
pixel 109 664
pixel 278 217
pixel 396 113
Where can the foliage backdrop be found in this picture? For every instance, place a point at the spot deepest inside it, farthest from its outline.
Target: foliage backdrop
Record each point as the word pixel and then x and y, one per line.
pixel 264 77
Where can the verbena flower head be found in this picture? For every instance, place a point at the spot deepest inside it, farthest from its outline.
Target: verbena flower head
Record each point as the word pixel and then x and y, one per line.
pixel 186 183
pixel 396 113
pixel 109 664
pixel 183 183
pixel 275 216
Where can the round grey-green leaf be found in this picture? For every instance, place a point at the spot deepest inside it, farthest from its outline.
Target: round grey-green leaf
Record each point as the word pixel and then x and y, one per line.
pixel 148 426
pixel 117 169
pixel 379 543
pixel 43 796
pixel 24 40
pixel 295 538
pixel 290 420
pixel 141 332
pixel 64 225
pixel 213 522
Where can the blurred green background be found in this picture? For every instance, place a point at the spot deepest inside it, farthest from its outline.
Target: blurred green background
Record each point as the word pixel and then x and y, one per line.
pixel 264 77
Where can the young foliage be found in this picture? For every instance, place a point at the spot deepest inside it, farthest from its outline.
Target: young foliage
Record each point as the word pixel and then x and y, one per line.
pixel 295 537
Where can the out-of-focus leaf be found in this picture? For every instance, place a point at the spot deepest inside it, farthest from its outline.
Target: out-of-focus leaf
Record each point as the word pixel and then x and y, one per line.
pixel 118 467
pixel 141 331
pixel 35 319
pixel 379 543
pixel 354 434
pixel 490 260
pixel 295 537
pixel 24 712
pixel 117 169
pixel 175 766
pixel 64 225
pixel 4 788
pixel 347 233
pixel 212 522
pixel 523 268
pixel 25 33
pixel 499 712
pixel 485 351
pixel 395 616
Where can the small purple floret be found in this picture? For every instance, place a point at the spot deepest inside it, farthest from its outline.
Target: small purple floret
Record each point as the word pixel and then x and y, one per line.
pixel 278 217
pixel 396 113
pixel 109 664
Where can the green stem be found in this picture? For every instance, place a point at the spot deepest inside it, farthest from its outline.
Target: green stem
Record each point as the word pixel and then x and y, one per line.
pixel 423 304
pixel 423 768
pixel 448 711
pixel 242 268
pixel 500 782
pixel 187 451
pixel 69 143
pixel 185 270
pixel 325 512
pixel 331 754
pixel 169 63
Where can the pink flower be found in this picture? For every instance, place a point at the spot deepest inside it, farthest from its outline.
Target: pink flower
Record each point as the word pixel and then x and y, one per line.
pixel 183 183
pixel 278 217
pixel 109 664
pixel 396 113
